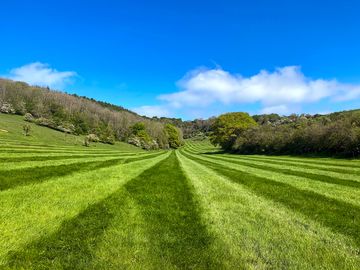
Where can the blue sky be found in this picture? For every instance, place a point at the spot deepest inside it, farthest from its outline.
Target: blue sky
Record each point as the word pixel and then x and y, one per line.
pixel 189 58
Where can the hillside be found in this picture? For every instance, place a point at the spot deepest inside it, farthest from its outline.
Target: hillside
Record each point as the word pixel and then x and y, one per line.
pixel 11 132
pixel 65 206
pixel 76 115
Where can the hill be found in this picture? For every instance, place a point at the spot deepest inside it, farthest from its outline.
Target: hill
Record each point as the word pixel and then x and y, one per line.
pixel 76 115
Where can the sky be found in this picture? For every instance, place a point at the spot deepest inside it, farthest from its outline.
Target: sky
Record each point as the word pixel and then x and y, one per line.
pixel 189 59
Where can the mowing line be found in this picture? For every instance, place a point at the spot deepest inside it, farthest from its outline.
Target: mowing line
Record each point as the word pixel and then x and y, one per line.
pixel 334 191
pixel 30 212
pixel 173 228
pixel 317 176
pixel 314 165
pixel 339 216
pixel 25 176
pixel 256 233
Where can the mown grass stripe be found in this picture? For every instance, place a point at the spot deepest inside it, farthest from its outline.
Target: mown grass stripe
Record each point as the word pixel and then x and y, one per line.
pixel 58 157
pixel 75 148
pixel 29 164
pixel 294 172
pixel 171 219
pixel 338 192
pixel 339 216
pixel 25 176
pixel 174 224
pixel 329 168
pixel 342 163
pixel 257 233
pixel 31 212
pixel 29 151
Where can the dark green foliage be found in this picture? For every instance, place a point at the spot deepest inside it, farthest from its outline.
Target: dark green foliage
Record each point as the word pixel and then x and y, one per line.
pixel 174 136
pixel 227 127
pixel 141 138
pixel 333 135
pixel 139 130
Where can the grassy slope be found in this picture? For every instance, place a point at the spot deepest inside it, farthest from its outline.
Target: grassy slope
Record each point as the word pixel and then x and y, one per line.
pixel 63 205
pixel 11 133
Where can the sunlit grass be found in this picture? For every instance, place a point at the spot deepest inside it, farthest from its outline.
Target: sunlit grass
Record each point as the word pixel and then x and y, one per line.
pixel 66 206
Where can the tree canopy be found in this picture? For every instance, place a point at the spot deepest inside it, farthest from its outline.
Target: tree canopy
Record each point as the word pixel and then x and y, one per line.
pixel 174 136
pixel 227 127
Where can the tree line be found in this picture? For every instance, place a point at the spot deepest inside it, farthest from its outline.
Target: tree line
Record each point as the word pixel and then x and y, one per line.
pixel 100 121
pixel 336 134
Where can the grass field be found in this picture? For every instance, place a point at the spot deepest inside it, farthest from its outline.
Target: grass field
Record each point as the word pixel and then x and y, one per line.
pixel 66 206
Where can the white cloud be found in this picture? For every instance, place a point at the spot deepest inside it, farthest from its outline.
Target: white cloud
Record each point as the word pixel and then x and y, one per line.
pixel 42 75
pixel 151 111
pixel 276 91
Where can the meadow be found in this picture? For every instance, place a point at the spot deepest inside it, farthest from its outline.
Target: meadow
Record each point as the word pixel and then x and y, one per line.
pixel 66 206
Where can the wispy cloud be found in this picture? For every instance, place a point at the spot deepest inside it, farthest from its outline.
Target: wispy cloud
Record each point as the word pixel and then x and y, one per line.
pixel 279 91
pixel 41 74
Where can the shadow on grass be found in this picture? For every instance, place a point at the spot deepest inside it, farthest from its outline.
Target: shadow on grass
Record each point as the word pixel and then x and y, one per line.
pixel 73 245
pixel 341 217
pixel 170 219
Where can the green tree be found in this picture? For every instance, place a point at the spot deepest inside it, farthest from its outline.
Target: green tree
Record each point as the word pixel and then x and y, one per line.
pixel 227 127
pixel 107 135
pixel 139 130
pixel 26 129
pixel 174 136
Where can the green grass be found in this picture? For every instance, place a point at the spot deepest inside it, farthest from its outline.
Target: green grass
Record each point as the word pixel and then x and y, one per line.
pixel 65 206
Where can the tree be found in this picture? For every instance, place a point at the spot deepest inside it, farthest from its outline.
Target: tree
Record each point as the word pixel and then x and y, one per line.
pixel 141 138
pixel 227 127
pixel 174 136
pixel 27 129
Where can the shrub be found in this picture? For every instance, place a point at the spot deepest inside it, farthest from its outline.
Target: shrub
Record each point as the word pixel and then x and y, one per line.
pixel 28 117
pixel 26 129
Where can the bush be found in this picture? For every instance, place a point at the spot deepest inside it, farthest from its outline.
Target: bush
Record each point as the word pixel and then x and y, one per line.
pixel 28 117
pixel 92 138
pixel 7 108
pixel 26 129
